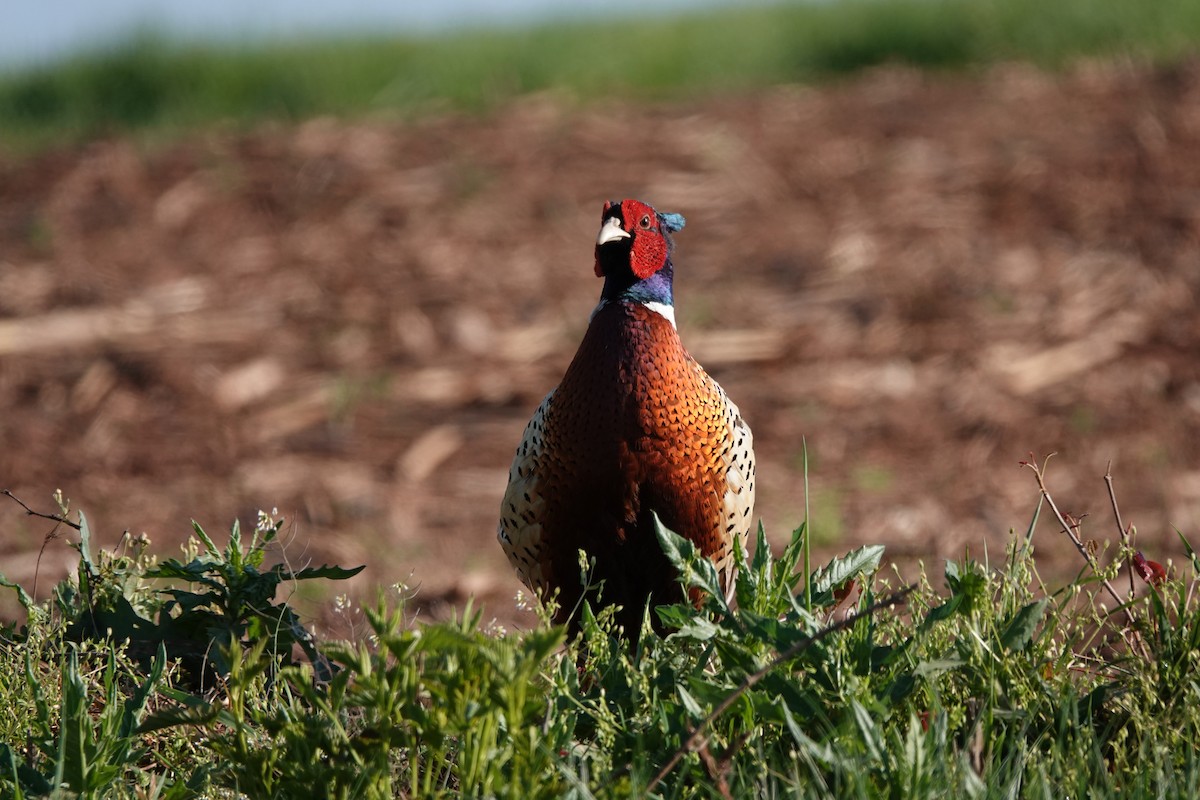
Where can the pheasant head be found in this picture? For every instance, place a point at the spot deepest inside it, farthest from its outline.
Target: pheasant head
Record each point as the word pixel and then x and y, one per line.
pixel 633 253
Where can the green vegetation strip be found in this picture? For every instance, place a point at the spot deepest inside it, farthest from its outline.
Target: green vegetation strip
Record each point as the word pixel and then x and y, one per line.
pixel 838 683
pixel 155 85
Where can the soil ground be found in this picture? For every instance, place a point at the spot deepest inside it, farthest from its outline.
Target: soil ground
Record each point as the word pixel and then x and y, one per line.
pixel 924 277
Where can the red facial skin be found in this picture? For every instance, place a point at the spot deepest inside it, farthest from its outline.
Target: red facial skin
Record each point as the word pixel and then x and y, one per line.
pixel 648 247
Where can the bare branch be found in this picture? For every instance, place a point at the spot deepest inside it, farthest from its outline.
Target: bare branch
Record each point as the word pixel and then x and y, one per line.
pixel 57 519
pixel 1069 529
pixel 30 512
pixel 1122 531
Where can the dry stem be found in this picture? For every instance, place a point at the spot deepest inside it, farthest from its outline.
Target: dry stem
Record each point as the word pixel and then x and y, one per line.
pixel 58 519
pixel 1069 530
pixel 1121 529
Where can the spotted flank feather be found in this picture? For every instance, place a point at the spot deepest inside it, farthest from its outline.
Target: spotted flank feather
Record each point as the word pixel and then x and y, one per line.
pixel 738 506
pixel 520 531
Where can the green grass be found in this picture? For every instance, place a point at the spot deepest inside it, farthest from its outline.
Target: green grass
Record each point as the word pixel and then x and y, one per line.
pixel 983 683
pixel 149 84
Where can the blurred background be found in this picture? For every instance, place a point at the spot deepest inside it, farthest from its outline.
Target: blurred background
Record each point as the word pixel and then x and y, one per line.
pixel 327 258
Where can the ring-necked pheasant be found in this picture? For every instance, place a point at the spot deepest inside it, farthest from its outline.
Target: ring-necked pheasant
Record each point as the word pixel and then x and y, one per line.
pixel 636 426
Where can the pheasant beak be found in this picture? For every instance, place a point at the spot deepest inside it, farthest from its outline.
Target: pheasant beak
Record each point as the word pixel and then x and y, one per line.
pixel 611 231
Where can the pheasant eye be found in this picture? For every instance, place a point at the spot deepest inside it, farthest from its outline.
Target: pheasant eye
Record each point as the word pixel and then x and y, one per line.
pixel 645 222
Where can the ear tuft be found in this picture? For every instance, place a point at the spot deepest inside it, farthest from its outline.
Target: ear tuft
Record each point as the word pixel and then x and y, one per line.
pixel 672 222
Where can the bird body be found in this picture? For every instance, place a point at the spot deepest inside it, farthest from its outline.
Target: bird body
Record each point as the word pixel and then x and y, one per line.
pixel 635 428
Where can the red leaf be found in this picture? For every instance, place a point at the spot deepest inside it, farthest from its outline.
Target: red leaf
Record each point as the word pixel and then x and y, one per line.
pixel 1152 572
pixel 843 591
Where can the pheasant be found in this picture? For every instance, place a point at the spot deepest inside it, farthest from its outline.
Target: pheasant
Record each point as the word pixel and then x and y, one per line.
pixel 635 428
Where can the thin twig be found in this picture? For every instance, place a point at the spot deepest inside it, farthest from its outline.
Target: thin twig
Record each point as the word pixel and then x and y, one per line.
pixel 30 512
pixel 1121 529
pixel 696 739
pixel 1069 530
pixel 717 771
pixel 57 519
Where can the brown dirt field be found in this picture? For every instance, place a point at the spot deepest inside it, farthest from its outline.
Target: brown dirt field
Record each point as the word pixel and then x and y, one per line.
pixel 927 276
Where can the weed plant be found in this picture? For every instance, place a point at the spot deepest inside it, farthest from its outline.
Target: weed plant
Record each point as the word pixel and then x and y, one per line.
pixel 980 682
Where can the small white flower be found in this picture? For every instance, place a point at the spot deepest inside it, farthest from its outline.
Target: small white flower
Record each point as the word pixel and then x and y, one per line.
pixel 266 522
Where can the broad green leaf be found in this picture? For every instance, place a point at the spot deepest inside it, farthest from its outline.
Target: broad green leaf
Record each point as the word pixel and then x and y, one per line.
pixel 679 551
pixel 823 753
pixel 940 613
pixel 801 738
pixel 198 570
pixel 762 554
pixel 862 560
pixel 22 596
pixel 751 575
pixel 85 544
pixel 333 573
pixel 206 540
pixel 787 561
pixel 233 550
pixel 173 717
pixel 190 601
pixel 870 733
pixel 676 615
pixel 693 708
pixel 74 743
pixel 1020 629
pixel 936 666
pixel 966 582
pixel 695 570
pixel 697 628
